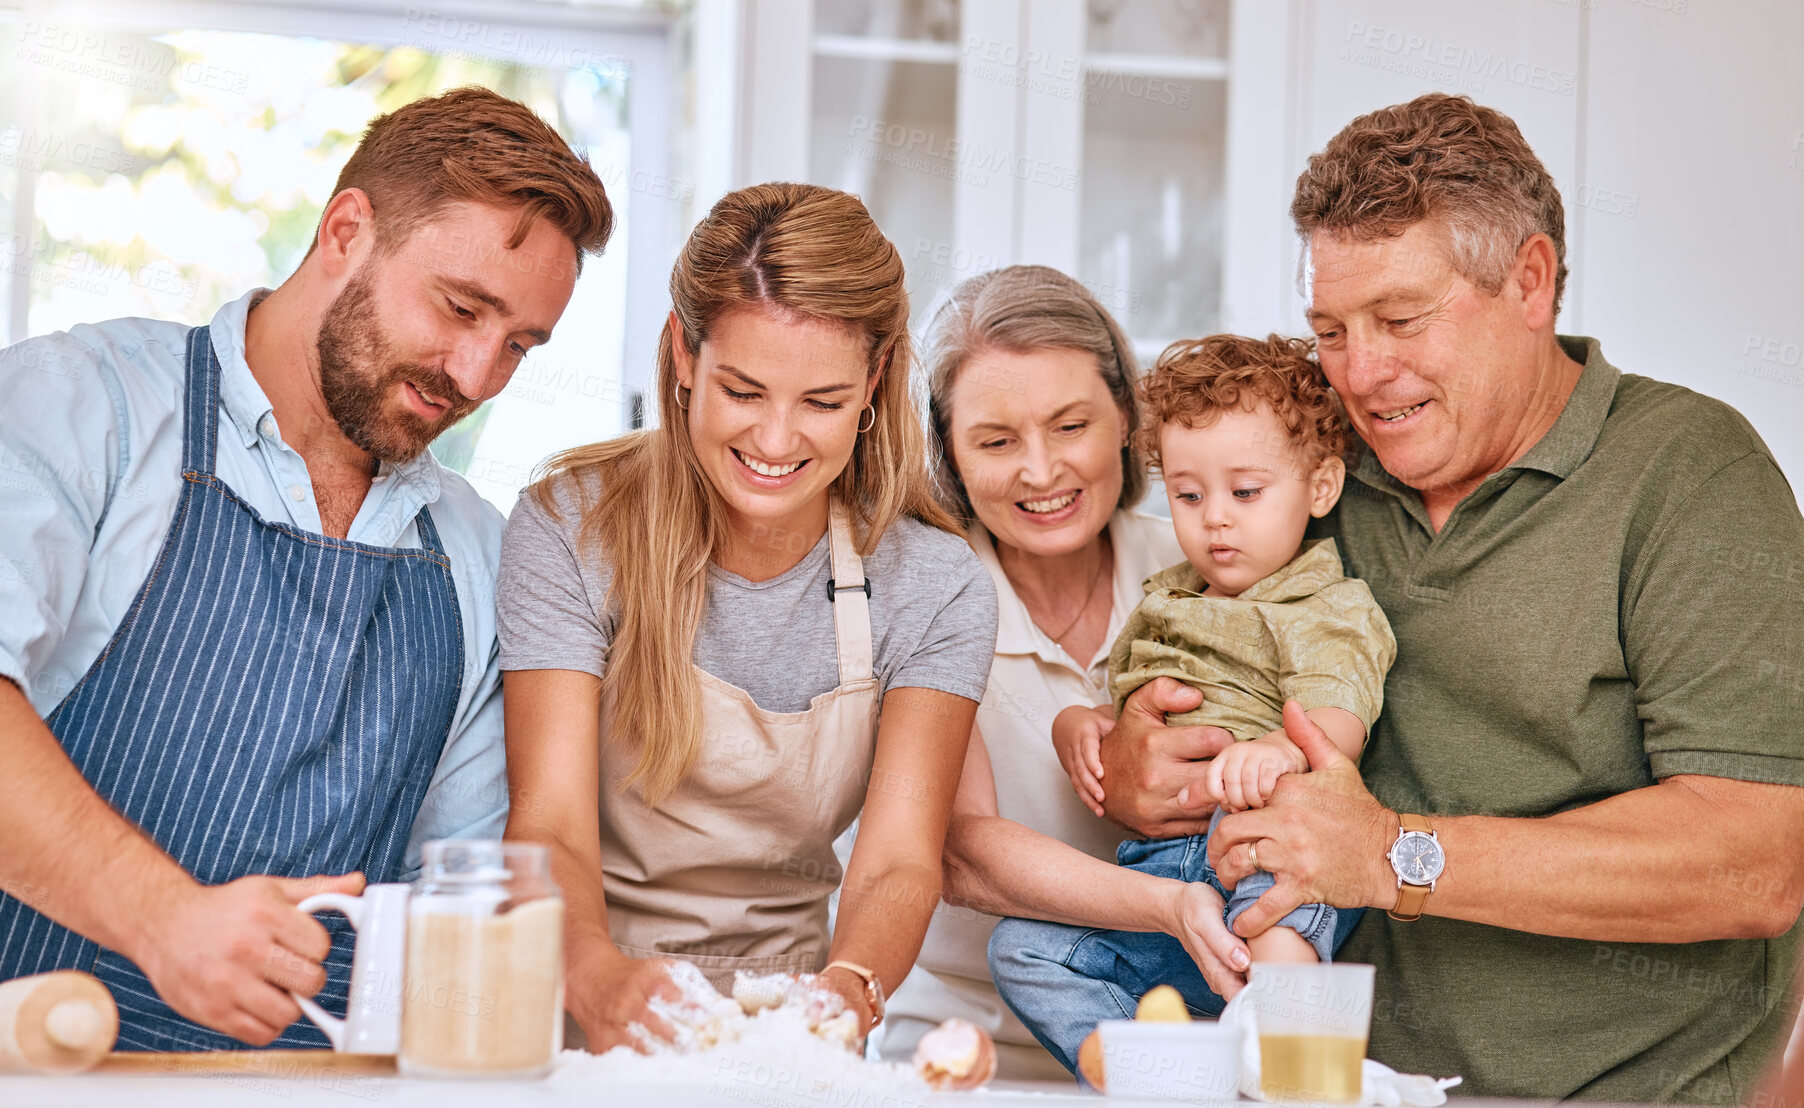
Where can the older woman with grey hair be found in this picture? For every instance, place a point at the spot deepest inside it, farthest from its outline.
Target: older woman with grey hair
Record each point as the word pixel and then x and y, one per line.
pixel 1033 407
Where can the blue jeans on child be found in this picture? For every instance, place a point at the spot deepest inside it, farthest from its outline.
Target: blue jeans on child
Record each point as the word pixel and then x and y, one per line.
pixel 1062 980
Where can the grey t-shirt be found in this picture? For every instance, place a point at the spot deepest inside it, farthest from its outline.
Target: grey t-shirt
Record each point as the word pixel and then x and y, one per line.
pixel 933 612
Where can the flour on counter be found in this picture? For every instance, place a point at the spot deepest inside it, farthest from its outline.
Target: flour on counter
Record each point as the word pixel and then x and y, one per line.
pixel 774 1056
pixel 775 1060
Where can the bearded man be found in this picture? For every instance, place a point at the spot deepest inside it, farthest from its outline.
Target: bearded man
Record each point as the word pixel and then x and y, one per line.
pixel 247 634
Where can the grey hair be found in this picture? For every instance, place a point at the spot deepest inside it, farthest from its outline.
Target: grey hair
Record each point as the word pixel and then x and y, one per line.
pixel 1441 158
pixel 1018 309
pixel 1482 247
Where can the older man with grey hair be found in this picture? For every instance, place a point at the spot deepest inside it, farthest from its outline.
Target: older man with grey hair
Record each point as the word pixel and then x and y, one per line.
pixel 1581 812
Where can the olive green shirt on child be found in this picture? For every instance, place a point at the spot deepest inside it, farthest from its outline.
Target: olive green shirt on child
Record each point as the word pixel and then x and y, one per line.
pixel 1305 632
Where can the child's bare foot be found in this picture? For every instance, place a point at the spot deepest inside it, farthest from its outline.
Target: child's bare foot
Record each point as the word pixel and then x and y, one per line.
pixel 1281 944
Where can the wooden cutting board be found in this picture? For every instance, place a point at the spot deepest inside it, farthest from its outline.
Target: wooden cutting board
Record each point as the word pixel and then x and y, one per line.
pixel 299 1064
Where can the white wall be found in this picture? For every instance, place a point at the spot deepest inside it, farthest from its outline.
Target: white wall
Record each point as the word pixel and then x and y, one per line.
pixel 1698 117
pixel 1674 127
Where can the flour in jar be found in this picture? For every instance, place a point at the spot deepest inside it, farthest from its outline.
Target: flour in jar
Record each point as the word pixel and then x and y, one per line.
pixel 484 990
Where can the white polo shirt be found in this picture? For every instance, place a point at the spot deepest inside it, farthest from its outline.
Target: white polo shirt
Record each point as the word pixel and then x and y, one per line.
pixel 1032 680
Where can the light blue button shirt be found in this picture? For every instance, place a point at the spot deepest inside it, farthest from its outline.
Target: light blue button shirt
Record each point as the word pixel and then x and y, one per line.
pixel 90 473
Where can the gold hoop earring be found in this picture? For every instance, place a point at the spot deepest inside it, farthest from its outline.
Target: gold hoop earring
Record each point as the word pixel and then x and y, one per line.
pixel 682 397
pixel 862 425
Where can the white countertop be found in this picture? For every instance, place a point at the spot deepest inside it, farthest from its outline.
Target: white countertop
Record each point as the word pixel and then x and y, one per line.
pixel 344 1090
pixel 349 1090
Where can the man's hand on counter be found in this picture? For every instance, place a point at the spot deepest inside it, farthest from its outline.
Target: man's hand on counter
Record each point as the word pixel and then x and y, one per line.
pixel 223 955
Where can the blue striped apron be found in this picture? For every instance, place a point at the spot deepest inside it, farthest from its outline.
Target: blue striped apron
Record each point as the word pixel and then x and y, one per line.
pixel 274 702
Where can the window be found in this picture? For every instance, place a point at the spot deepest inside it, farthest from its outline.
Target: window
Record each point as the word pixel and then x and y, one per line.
pixel 1088 135
pixel 161 168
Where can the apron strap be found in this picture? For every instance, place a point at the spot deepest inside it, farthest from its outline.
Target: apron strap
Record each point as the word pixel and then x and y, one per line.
pixel 851 594
pixel 429 539
pixel 200 407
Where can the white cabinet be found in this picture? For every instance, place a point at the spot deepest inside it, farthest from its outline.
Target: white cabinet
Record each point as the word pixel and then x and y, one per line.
pixel 1151 147
pixel 1089 135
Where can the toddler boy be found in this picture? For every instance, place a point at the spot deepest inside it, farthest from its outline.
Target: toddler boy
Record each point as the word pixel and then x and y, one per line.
pixel 1249 439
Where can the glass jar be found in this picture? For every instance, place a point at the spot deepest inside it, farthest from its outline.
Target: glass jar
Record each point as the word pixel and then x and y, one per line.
pixel 484 984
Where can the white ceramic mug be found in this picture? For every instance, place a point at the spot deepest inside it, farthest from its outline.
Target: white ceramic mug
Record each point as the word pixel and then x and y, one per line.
pixel 372 1023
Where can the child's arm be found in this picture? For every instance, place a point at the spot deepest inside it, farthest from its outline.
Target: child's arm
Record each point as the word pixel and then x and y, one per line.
pixel 1344 730
pixel 1351 649
pixel 1244 775
pixel 1077 736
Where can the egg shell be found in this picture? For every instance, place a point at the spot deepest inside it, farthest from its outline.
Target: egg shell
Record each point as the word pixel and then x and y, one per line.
pixel 957 1055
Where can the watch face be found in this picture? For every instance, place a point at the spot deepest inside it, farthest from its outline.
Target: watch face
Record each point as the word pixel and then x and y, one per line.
pixel 1417 858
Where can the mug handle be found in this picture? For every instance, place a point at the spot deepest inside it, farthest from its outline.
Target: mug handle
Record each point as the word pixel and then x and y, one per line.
pixel 352 908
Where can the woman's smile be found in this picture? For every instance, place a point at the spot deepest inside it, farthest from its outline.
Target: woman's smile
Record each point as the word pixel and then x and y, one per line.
pixel 1051 508
pixel 766 474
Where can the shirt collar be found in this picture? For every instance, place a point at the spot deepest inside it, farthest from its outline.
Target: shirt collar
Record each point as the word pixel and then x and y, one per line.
pixel 246 404
pixel 1015 629
pixel 1570 440
pixel 1566 444
pixel 1317 566
pixel 243 398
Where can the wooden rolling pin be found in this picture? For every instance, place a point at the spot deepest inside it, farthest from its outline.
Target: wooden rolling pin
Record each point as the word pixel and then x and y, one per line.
pixel 60 1022
pixel 293 1065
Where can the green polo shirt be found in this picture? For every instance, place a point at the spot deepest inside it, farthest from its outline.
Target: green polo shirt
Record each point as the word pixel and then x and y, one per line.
pixel 1624 603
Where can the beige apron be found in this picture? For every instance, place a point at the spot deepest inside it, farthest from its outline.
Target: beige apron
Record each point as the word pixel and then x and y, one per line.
pixel 733 870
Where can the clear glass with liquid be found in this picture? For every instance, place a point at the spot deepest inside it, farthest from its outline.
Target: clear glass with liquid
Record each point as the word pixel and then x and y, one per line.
pixel 1314 1021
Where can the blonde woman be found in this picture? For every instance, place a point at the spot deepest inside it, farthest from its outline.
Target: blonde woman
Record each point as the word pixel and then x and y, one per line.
pixel 725 638
pixel 1033 405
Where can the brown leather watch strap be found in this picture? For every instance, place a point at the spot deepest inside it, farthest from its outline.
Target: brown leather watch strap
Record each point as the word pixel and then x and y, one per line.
pixel 1411 899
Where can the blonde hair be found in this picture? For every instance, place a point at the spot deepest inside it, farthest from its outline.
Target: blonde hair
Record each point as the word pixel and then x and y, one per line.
pixel 1018 309
pixel 797 252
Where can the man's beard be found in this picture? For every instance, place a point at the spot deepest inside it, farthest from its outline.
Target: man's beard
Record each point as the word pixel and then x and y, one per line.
pixel 359 390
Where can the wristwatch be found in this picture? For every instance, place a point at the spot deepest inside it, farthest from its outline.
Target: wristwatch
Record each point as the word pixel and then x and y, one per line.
pixel 873 989
pixel 1418 859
